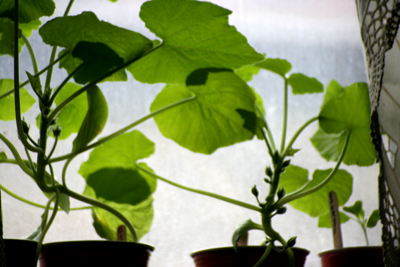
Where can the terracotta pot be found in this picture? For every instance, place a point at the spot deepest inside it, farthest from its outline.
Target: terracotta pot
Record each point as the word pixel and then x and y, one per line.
pixel 352 256
pixel 95 253
pixel 20 252
pixel 247 257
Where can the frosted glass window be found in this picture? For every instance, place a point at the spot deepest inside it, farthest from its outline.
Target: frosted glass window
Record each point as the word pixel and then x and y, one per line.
pixel 320 38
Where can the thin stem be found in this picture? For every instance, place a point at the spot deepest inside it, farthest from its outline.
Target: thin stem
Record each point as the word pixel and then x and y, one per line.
pixel 365 234
pixel 285 116
pixel 265 255
pixel 31 53
pixel 104 206
pixel 290 197
pixel 201 192
pixel 10 92
pixel 296 134
pixel 123 130
pixel 18 197
pixel 53 148
pixel 16 155
pixel 58 90
pixel 30 161
pixel 269 132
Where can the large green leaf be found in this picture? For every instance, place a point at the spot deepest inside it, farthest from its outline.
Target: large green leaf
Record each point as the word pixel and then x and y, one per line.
pixel 247 72
pixel 317 203
pixel 293 178
pixel 68 31
pixel 210 120
pixel 7 108
pixel 113 177
pixel 325 221
pixel 276 65
pixel 72 115
pixel 7 37
pixel 326 144
pixel 98 59
pixel 28 10
pixel 302 84
pixel 333 90
pixel 195 35
pixel 95 120
pixel 350 111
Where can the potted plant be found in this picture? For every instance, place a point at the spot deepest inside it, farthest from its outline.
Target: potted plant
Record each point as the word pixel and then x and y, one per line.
pixel 94 51
pixel 351 256
pixel 343 130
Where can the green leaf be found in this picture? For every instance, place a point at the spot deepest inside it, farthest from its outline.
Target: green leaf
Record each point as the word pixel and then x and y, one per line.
pixel 247 72
pixel 121 152
pixel 373 219
pixel 317 203
pixel 356 210
pixel 7 108
pixel 326 144
pixel 195 35
pixel 98 59
pixel 27 28
pixel 210 120
pixel 113 177
pixel 95 119
pixel 293 178
pixel 28 10
pixel 350 111
pixel 276 65
pixel 333 90
pixel 68 31
pixel 3 155
pixel 141 216
pixel 243 228
pixel 324 221
pixel 7 37
pixel 302 84
pixel 72 115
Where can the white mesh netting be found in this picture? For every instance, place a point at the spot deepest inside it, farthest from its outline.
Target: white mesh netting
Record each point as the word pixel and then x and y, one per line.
pixel 379 21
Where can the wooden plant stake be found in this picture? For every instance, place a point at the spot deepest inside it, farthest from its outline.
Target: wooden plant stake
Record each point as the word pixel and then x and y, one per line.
pixel 121 233
pixel 335 220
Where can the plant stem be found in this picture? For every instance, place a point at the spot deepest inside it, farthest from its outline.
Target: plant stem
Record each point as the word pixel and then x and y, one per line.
pixel 268 129
pixel 16 155
pixel 31 53
pixel 10 92
pixel 290 197
pixel 265 255
pixel 201 192
pixel 104 206
pixel 123 130
pixel 285 116
pixel 17 100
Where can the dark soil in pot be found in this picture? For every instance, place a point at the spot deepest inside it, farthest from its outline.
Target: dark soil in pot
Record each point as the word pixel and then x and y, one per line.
pixel 95 253
pixel 352 256
pixel 20 252
pixel 247 257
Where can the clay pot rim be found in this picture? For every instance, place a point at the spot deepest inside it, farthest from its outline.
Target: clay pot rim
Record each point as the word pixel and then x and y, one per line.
pixel 21 239
pixel 88 242
pixel 349 249
pixel 240 247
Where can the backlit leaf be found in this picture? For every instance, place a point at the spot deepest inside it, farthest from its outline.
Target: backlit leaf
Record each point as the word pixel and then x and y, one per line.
pixel 7 108
pixel 210 120
pixel 373 219
pixel 326 144
pixel 350 111
pixel 194 35
pixel 302 84
pixel 95 119
pixel 324 221
pixel 276 65
pixel 28 10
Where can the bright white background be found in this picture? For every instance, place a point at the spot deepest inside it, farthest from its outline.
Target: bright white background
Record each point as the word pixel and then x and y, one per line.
pixel 320 38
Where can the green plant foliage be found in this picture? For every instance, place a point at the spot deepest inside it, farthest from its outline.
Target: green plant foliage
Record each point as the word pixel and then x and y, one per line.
pixel 68 31
pixel 243 228
pixel 210 120
pixel 333 90
pixel 326 144
pixel 350 112
pixel 114 164
pixel 72 115
pixel 247 72
pixel 7 37
pixel 7 108
pixel 27 28
pixel 317 203
pixel 3 155
pixel 98 59
pixel 373 219
pixel 194 35
pixel 302 84
pixel 29 10
pixel 325 221
pixel 276 65
pixel 95 120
